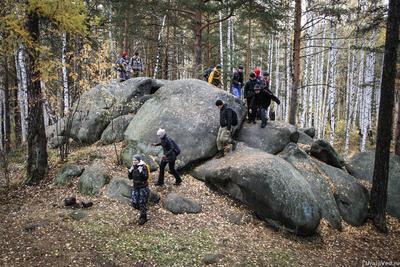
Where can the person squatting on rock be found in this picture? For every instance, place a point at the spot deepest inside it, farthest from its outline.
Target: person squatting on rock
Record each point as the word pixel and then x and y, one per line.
pixel 260 103
pixel 122 67
pixel 139 173
pixel 215 77
pixel 171 151
pixel 136 64
pixel 227 121
pixel 237 82
pixel 249 91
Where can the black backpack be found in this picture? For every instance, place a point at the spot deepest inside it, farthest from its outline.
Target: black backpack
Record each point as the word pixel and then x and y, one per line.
pixel 234 117
pixel 207 73
pixel 177 150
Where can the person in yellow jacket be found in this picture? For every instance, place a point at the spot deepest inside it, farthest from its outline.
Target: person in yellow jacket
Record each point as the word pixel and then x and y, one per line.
pixel 215 77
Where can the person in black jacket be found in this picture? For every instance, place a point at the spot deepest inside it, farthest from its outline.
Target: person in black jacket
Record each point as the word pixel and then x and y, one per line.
pixel 225 128
pixel 249 91
pixel 237 82
pixel 139 173
pixel 260 103
pixel 170 152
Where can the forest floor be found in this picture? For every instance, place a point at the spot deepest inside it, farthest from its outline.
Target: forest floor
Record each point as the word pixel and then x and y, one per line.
pixel 36 230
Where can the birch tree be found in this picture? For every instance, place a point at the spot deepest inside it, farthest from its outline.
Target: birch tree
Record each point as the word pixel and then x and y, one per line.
pixel 159 42
pixel 64 74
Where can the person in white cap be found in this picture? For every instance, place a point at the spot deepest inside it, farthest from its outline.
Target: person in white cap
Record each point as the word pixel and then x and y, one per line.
pixel 171 151
pixel 139 173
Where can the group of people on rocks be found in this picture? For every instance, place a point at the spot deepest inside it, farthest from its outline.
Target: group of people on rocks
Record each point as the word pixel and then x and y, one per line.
pixel 256 91
pixel 128 67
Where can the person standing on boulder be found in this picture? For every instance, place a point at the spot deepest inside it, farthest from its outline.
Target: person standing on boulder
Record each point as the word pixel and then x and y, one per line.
pixel 139 173
pixel 237 82
pixel 227 119
pixel 122 67
pixel 215 77
pixel 249 91
pixel 136 64
pixel 260 103
pixel 171 151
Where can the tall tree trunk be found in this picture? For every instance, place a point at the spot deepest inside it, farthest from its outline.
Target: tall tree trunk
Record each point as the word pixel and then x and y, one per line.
pixel 331 84
pixel 6 86
pixel 37 144
pixel 20 66
pixel 248 50
pixel 159 45
pixel 65 92
pixel 397 135
pixel 381 166
pixel 166 55
pixel 198 17
pixel 16 112
pixel 296 62
pixel 221 47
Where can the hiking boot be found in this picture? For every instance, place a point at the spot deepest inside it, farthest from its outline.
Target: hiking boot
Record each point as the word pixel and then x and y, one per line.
pixel 219 154
pixel 142 220
pixel 178 183
pixel 263 125
pixel 234 145
pixel 254 122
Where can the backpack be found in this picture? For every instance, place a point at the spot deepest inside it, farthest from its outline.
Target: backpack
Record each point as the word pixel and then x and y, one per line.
pixel 234 117
pixel 148 172
pixel 177 150
pixel 207 73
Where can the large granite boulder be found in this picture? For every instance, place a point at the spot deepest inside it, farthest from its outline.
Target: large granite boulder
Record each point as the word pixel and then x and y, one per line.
pixel 269 185
pixel 361 166
pixel 320 185
pixel 93 179
pixel 129 151
pixel 178 204
pixel 115 130
pixel 56 129
pixel 339 194
pixel 98 106
pixel 186 109
pixel 67 173
pixel 308 131
pixel 323 151
pixel 121 189
pixel 272 139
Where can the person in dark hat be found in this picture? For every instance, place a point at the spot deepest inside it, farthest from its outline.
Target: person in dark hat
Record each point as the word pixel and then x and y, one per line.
pixel 215 77
pixel 248 91
pixel 265 80
pixel 237 82
pixel 139 173
pixel 227 120
pixel 260 103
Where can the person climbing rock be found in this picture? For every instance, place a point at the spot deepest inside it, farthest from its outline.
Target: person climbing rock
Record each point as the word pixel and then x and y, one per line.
pixel 136 64
pixel 249 91
pixel 139 173
pixel 227 120
pixel 122 66
pixel 171 151
pixel 237 82
pixel 215 77
pixel 260 103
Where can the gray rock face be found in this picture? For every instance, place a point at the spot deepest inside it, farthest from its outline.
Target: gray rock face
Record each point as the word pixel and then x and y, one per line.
pixel 67 173
pixel 115 130
pixel 308 131
pixel 56 129
pixel 319 183
pixel 361 166
pixel 272 139
pixel 101 104
pixel 339 194
pixel 305 139
pixel 121 188
pixel 129 151
pixel 269 185
pixel 178 204
pixel 186 109
pixel 93 179
pixel 351 197
pixel 323 151
pixel 55 142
